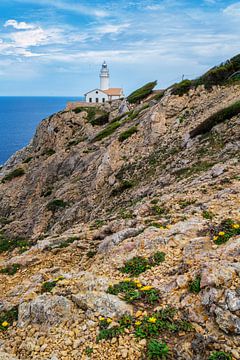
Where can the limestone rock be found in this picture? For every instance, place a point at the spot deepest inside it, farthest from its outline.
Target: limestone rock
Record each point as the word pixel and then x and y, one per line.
pixel 5 356
pixel 45 309
pixel 233 300
pixel 117 238
pixel 105 304
pixel 226 321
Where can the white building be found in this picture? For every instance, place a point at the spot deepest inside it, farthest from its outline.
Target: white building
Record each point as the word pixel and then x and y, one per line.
pixel 105 93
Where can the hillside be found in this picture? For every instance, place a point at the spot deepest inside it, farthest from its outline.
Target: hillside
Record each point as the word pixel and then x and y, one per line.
pixel 119 232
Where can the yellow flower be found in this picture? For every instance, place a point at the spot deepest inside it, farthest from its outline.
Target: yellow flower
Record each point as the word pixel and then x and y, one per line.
pixel 168 226
pixel 101 318
pixel 138 323
pixel 215 238
pixel 127 280
pixel 236 226
pixel 139 285
pixel 146 288
pixel 162 228
pixel 109 321
pixel 136 281
pixel 221 233
pixel 152 320
pixel 5 324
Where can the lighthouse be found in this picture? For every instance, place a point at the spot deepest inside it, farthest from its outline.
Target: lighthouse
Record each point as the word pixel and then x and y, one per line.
pixel 104 93
pixel 104 77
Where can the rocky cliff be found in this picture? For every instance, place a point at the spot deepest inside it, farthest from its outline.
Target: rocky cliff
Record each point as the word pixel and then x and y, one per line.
pixel 119 232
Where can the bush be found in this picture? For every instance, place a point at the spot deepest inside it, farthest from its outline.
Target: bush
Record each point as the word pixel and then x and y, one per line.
pixel 217 118
pixel 48 152
pixel 139 264
pixel 126 134
pixel 141 93
pixel 124 185
pixel 7 244
pixel 109 130
pixel 56 204
pixel 156 350
pixel 225 231
pixel 8 317
pixel 220 355
pixel 181 88
pixel 48 286
pixel 13 174
pixel 195 285
pixel 10 269
pixel 100 120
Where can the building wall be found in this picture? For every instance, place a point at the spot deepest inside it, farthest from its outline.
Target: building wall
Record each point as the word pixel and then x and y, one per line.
pixel 96 96
pixel 104 82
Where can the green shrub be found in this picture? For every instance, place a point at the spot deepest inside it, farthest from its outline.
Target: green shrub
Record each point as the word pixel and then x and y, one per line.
pixel 68 242
pixel 220 355
pixel 47 192
pixel 109 130
pixel 48 152
pixel 8 317
pixel 181 88
pixel 124 185
pixel 217 118
pixel 13 174
pixel 10 269
pixel 225 231
pixel 158 210
pixel 185 203
pixel 139 264
pixel 101 120
pixel 48 286
pixel 56 204
pixel 157 350
pixel 27 160
pixel 208 215
pixel 91 253
pixel 141 93
pixel 88 351
pixel 7 244
pixel 134 292
pixel 195 285
pixel 126 134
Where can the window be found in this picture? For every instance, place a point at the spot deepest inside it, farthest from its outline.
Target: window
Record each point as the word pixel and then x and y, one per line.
pixel 96 92
pixel 90 99
pixel 97 100
pixel 103 100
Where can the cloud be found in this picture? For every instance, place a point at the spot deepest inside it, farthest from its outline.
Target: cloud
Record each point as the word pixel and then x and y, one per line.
pixel 232 10
pixel 18 25
pixel 111 29
pixel 69 6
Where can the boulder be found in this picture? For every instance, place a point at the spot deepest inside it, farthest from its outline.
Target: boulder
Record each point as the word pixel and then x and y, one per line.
pixel 233 300
pixel 45 309
pixel 105 304
pixel 117 238
pixel 226 321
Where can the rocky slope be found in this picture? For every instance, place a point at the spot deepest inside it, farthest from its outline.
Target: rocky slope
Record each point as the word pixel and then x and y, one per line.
pixel 96 188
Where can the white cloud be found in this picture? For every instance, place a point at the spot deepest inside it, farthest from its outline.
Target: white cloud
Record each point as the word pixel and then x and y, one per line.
pixel 18 25
pixel 233 10
pixel 111 29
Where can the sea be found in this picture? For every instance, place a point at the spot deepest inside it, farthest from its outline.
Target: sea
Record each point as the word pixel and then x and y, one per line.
pixel 19 118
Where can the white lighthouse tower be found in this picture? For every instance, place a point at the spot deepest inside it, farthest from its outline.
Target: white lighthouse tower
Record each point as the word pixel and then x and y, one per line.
pixel 104 77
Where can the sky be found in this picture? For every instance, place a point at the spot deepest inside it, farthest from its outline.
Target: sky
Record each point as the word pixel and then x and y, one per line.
pixel 56 47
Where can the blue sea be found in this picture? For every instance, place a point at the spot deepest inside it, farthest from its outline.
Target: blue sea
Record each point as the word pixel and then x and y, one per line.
pixel 19 117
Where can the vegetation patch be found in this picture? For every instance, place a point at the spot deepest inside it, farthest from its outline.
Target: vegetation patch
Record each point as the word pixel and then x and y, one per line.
pixel 109 130
pixel 13 174
pixel 101 120
pixel 133 292
pixel 7 244
pixel 128 133
pixel 48 152
pixel 88 351
pixel 141 93
pixel 208 215
pixel 10 269
pixel 56 204
pixel 185 203
pixel 124 185
pixel 48 286
pixel 221 233
pixel 195 285
pixel 91 253
pixel 144 326
pixel 7 318
pixel 27 160
pixel 140 264
pixel 157 350
pixel 158 210
pixel 195 168
pixel 181 88
pixel 220 355
pixel 217 118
